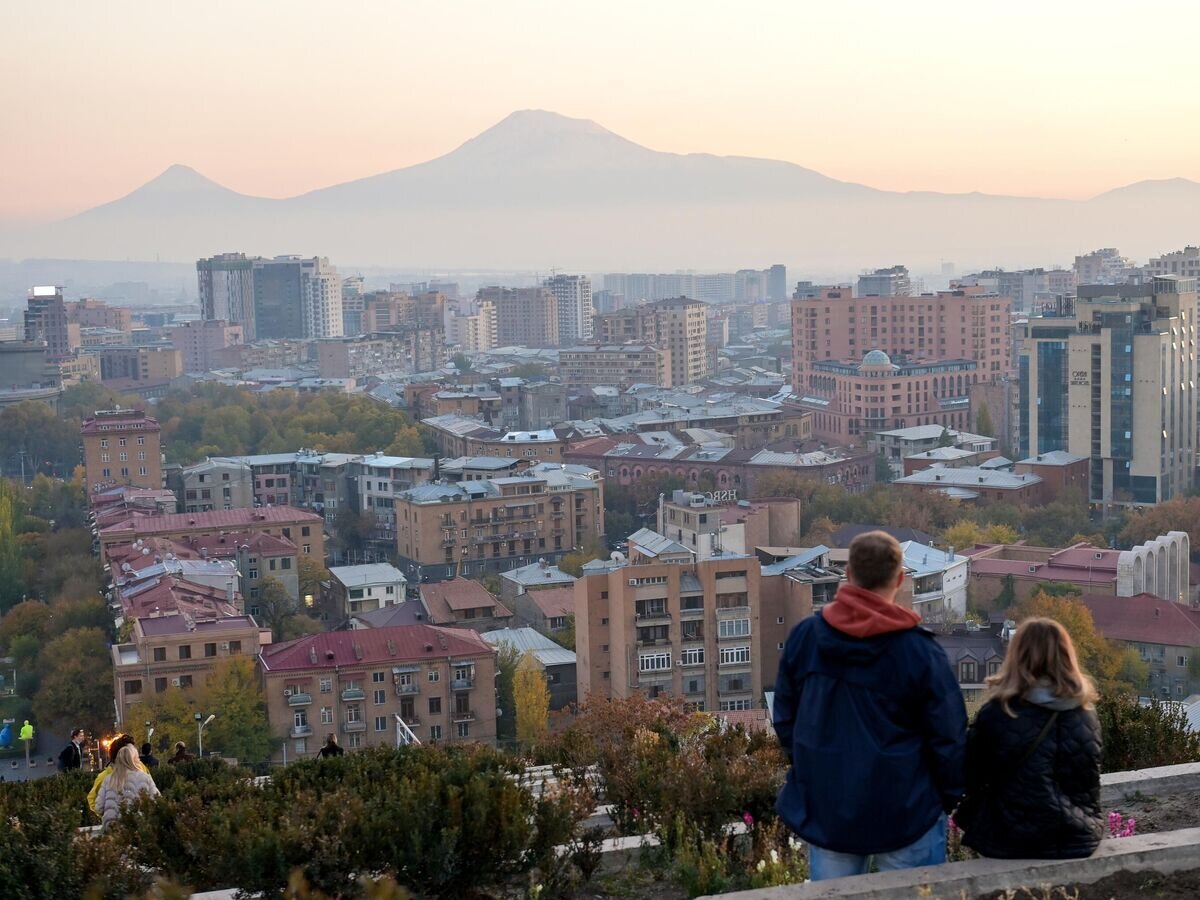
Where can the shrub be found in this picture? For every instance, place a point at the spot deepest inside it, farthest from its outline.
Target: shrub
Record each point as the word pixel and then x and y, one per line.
pixel 1141 737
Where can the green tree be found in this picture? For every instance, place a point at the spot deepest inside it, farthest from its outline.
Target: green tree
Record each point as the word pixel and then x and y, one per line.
pixel 883 469
pixel 311 576
pixel 1143 737
pixel 1053 524
pixel 572 563
pixel 1008 593
pixel 962 534
pixel 462 362
pixel 12 582
pixel 31 619
pixel 275 606
pixel 997 533
pixel 171 713
pixel 76 681
pixel 944 439
pixel 235 695
pixel 508 657
pixel 983 422
pixel 532 700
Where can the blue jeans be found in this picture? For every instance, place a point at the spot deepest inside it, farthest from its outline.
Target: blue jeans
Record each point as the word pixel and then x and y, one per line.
pixel 927 850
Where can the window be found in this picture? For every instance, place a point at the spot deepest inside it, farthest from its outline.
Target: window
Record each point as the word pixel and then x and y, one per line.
pixel 435 675
pixel 133 687
pixel 435 706
pixel 326 715
pixel 729 628
pixel 1181 661
pixel 654 662
pixel 378 677
pixel 185 651
pixel 381 723
pixel 435 731
pixel 326 685
pixel 692 656
pixel 354 713
pixel 235 647
pixel 967 671
pixel 286 562
pixel 730 705
pixel 300 718
pixel 210 650
pixel 355 741
pixel 160 654
pixel 185 681
pixel 380 697
pixel 300 747
pixel 160 685
pixel 464 729
pixel 307 548
pixel 735 656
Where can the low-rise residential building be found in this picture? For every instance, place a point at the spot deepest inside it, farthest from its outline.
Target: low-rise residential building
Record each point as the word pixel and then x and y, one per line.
pixel 1060 471
pixel 939 577
pixel 216 483
pixel 556 662
pixel 463 603
pixel 472 528
pixel 536 576
pixel 169 594
pixel 710 525
pixel 975 483
pixel 549 610
pixel 359 589
pixel 584 367
pixel 377 687
pixel 899 444
pixel 177 651
pixel 463 436
pixel 975 653
pixel 1166 636
pixel 301 527
pixel 377 480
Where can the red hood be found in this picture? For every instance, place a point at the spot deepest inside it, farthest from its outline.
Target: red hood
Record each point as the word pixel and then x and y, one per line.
pixel 862 614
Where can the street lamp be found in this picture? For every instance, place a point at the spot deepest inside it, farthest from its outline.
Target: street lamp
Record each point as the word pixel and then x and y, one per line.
pixel 201 724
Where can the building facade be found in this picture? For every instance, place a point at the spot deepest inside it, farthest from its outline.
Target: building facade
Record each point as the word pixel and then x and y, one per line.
pixel 198 342
pixel 121 446
pixel 585 367
pixel 380 687
pixel 679 326
pixel 46 320
pixel 573 294
pixel 1115 382
pixel 296 297
pixel 226 285
pixel 525 317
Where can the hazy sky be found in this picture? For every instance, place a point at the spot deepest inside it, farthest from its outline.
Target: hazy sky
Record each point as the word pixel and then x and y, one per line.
pixel 275 98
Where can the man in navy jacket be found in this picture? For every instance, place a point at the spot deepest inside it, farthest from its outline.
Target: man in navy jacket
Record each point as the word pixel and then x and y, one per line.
pixel 873 723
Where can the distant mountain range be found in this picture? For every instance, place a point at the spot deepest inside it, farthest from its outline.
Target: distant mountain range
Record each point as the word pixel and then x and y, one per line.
pixel 540 190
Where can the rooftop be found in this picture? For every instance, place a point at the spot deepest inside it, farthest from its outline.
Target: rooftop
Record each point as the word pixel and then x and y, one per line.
pixel 1053 458
pixel 444 598
pixel 217 518
pixel 970 478
pixel 1144 619
pixel 370 573
pixel 162 625
pixel 372 647
pixel 410 612
pixel 537 574
pixel 554 602
pixel 530 640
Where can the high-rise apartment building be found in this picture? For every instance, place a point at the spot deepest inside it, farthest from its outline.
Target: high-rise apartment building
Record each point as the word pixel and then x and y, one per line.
pixel 679 326
pixel 89 313
pixel 198 341
pixel 620 365
pixel 297 297
pixel 891 282
pixel 46 320
pixel 574 296
pixel 525 317
pixel 777 283
pixel 226 283
pixel 1104 266
pixel 121 446
pixel 1114 380
pixel 478 332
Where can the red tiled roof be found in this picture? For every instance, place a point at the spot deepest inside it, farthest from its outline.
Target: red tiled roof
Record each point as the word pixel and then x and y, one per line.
pixel 220 518
pixel 457 595
pixel 554 602
pixel 1085 558
pixel 397 644
pixel 220 545
pixel 169 593
pixel 136 420
pixel 1144 619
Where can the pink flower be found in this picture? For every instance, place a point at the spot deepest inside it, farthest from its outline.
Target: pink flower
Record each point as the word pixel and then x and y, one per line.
pixel 953 824
pixel 1130 827
pixel 635 812
pixel 748 819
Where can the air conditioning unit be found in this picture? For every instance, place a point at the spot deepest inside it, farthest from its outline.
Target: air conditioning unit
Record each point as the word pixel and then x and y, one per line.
pixel 225 646
pixel 632 582
pixel 175 682
pixel 287 692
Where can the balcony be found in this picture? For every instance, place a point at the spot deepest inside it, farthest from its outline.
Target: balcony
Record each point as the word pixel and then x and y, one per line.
pixel 463 715
pixel 733 612
pixel 298 698
pixel 353 693
pixel 449 540
pixel 353 727
pixel 299 731
pixel 650 616
pixel 692 613
pixel 653 642
pixel 413 721
pixel 405 690
pixel 462 684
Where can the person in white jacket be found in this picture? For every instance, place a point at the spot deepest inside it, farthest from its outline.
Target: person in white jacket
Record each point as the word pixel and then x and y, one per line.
pixel 127 782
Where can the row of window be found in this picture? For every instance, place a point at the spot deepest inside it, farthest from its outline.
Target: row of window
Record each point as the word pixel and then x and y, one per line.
pixel 121 442
pixel 210 650
pixel 660 661
pixel 355 741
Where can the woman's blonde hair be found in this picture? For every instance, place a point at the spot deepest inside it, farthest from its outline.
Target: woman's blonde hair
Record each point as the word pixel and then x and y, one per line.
pixel 123 763
pixel 1041 652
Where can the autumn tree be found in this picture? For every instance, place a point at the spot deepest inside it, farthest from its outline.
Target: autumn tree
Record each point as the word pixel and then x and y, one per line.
pixel 275 606
pixel 963 533
pixel 31 619
pixel 1108 662
pixel 235 695
pixel 76 689
pixel 171 713
pixel 572 563
pixel 508 657
pixel 311 575
pixel 983 422
pixel 1151 521
pixel 998 533
pixel 532 700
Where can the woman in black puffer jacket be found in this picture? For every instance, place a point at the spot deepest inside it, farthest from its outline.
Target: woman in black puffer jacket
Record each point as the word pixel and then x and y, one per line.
pixel 1033 754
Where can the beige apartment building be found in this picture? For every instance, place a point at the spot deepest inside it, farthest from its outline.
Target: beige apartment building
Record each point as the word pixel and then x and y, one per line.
pixel 480 331
pixel 198 342
pixel 178 651
pixel 89 313
pixel 525 317
pixel 665 622
pixel 473 528
pixel 380 687
pixel 679 326
pixel 121 446
pixel 621 365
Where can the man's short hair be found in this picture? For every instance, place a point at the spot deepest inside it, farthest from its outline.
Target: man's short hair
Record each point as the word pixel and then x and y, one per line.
pixel 875 558
pixel 147 749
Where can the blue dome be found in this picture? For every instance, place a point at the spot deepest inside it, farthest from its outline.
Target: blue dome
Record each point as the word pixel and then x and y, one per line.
pixel 877 358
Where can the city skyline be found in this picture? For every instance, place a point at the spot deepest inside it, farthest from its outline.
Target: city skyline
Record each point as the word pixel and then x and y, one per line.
pixel 95 127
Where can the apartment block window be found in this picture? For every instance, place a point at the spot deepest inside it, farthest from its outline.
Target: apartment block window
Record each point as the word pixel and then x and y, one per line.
pixel 1181 661
pixel 133 687
pixel 300 718
pixel 235 647
pixel 286 562
pixel 160 685
pixel 185 681
pixel 435 732
pixel 356 741
pixel 381 723
pixel 304 531
pixel 730 705
pixel 160 654
pixel 326 685
pixel 326 715
pixel 380 697
pixel 464 729
pixel 729 628
pixel 692 656
pixel 307 548
pixel 434 675
pixel 210 650
pixel 435 706
pixel 185 651
pixel 654 662
pixel 733 656
pixel 300 747
pixel 354 713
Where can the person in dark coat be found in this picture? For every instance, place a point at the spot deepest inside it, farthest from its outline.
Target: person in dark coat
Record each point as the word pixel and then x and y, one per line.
pixel 330 747
pixel 71 757
pixel 147 757
pixel 1033 754
pixel 181 754
pixel 873 723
